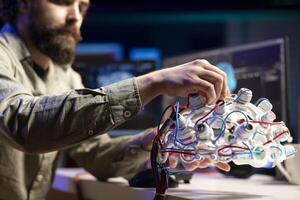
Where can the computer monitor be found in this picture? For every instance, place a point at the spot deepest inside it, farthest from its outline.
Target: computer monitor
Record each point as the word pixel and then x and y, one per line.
pixel 260 67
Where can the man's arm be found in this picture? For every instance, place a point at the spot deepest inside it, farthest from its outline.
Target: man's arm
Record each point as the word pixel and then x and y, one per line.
pixel 46 123
pixel 107 157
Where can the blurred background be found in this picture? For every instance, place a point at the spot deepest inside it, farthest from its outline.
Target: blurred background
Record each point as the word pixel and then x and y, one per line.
pixel 255 41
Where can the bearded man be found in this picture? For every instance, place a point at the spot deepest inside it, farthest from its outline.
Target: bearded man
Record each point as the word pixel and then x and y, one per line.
pixel 45 108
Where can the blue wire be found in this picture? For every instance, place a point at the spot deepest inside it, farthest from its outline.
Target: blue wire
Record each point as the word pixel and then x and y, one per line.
pixel 217 118
pixel 250 152
pixel 177 126
pixel 274 147
pixel 257 132
pixel 223 127
pixel 177 121
pixel 237 98
pixel 222 133
pixel 260 100
pixel 249 149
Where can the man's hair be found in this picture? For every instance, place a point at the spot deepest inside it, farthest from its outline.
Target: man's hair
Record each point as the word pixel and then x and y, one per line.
pixel 8 10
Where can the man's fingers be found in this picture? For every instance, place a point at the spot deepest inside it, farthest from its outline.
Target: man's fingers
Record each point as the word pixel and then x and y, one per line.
pixel 191 166
pixel 202 86
pixel 225 91
pixel 223 166
pixel 215 79
pixel 206 65
pixel 146 138
pixel 173 161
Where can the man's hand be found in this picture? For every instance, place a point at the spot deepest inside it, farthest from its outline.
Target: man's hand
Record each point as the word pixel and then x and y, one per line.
pixel 196 77
pixel 145 140
pixel 191 166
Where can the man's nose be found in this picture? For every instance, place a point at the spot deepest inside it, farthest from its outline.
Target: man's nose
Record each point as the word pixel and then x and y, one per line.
pixel 74 13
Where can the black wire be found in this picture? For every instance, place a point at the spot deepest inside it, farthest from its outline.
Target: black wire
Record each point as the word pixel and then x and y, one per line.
pixel 159 171
pixel 79 192
pixel 160 175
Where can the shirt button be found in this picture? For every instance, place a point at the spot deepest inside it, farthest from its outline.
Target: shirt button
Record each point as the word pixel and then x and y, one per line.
pixel 91 132
pixel 133 151
pixel 127 114
pixel 39 177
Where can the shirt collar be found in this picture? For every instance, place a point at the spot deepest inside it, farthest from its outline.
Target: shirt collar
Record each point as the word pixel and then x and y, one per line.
pixel 15 42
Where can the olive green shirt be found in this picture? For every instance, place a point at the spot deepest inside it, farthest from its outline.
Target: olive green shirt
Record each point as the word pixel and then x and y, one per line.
pixel 39 116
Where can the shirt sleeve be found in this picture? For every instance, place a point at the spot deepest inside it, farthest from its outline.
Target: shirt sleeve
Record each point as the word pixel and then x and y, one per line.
pixel 46 123
pixel 107 157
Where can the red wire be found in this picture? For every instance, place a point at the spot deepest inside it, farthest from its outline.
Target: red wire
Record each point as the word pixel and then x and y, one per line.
pixel 177 151
pixel 158 126
pixel 240 121
pixel 244 148
pixel 221 102
pixel 78 176
pixel 268 123
pixel 277 136
pixel 232 146
pixel 188 102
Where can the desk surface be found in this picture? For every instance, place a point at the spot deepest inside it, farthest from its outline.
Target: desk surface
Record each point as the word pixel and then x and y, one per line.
pixel 203 186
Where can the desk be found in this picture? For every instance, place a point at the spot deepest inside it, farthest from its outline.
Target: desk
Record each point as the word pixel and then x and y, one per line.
pixel 203 186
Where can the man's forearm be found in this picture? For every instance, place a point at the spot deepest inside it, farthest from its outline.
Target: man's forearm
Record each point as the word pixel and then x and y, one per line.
pixel 106 157
pixel 149 86
pixel 46 123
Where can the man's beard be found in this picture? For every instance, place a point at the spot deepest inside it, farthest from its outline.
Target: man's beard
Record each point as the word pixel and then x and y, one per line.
pixel 57 42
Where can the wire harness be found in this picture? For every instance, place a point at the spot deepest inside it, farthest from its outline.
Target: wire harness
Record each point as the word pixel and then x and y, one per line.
pixel 233 129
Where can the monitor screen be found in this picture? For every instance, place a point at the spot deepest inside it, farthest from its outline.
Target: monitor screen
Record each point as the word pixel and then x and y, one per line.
pixel 260 67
